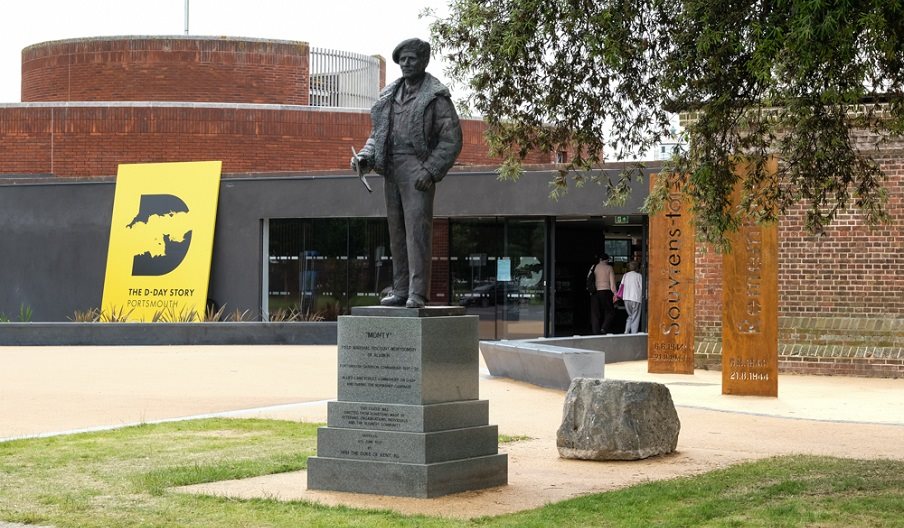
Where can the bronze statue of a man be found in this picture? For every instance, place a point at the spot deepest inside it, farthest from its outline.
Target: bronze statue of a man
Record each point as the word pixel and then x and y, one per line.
pixel 414 141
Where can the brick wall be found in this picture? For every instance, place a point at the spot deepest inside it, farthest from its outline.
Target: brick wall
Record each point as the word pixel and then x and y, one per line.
pixel 707 293
pixel 130 100
pixel 167 69
pixel 439 270
pixel 855 269
pixel 841 295
pixel 72 140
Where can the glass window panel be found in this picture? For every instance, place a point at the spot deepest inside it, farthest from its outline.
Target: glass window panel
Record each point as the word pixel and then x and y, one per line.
pixel 508 298
pixel 475 244
pixel 618 250
pixel 370 261
pixel 523 308
pixel 323 264
pixel 283 276
pixel 307 268
pixel 320 267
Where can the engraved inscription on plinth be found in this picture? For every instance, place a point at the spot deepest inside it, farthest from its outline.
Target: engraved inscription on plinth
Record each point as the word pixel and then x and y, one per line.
pixel 362 416
pixel 410 418
pixel 750 311
pixel 670 342
pixel 412 448
pixel 408 360
pixel 378 365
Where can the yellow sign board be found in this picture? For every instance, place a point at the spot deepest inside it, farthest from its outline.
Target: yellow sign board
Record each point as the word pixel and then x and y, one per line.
pixel 161 241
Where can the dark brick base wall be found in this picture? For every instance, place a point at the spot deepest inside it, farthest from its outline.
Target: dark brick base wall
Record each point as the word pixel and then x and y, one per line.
pixel 865 347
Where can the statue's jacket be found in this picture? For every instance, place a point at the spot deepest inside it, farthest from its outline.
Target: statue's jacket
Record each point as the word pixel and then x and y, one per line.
pixel 434 126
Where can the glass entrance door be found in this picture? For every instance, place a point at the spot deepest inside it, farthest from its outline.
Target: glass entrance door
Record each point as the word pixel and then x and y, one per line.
pixel 577 242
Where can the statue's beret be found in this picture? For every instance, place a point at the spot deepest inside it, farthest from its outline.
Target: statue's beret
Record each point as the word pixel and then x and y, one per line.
pixel 419 46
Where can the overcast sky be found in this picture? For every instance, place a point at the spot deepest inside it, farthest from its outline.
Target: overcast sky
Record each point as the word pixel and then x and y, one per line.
pixel 371 27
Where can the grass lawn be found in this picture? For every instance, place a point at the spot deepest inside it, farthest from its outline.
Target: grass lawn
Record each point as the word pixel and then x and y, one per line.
pixel 120 479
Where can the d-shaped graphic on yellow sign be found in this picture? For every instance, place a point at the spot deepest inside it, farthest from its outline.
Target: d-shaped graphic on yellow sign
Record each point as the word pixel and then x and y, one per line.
pixel 161 214
pixel 161 241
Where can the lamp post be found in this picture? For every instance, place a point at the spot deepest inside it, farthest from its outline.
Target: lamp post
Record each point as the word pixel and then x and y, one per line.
pixel 186 17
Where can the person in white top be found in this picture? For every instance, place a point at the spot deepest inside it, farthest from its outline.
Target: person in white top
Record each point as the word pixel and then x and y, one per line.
pixel 602 307
pixel 632 293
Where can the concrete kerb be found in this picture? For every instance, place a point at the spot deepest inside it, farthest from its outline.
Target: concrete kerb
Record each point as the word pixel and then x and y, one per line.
pixel 204 333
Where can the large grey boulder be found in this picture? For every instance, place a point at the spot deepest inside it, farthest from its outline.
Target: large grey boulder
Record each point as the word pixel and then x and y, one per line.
pixel 617 420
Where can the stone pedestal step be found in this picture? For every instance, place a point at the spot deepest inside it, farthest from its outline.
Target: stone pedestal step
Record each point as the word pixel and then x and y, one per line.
pixel 407 480
pixel 409 448
pixel 410 418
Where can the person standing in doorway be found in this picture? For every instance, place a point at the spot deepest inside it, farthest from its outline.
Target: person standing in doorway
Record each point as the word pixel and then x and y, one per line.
pixel 602 306
pixel 632 293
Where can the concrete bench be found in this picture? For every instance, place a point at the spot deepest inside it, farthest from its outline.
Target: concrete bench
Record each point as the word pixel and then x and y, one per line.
pixel 554 362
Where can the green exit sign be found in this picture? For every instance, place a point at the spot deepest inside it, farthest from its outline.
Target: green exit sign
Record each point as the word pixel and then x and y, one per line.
pixel 621 219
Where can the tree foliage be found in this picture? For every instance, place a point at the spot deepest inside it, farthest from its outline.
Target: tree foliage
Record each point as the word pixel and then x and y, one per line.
pixel 818 84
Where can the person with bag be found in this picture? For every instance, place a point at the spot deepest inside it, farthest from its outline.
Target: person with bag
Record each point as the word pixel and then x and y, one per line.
pixel 602 307
pixel 631 290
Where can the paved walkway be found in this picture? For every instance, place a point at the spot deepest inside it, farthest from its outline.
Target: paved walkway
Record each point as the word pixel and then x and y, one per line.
pixel 53 390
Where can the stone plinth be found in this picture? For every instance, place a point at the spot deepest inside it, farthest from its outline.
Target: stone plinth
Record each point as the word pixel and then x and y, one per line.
pixel 408 421
pixel 415 360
